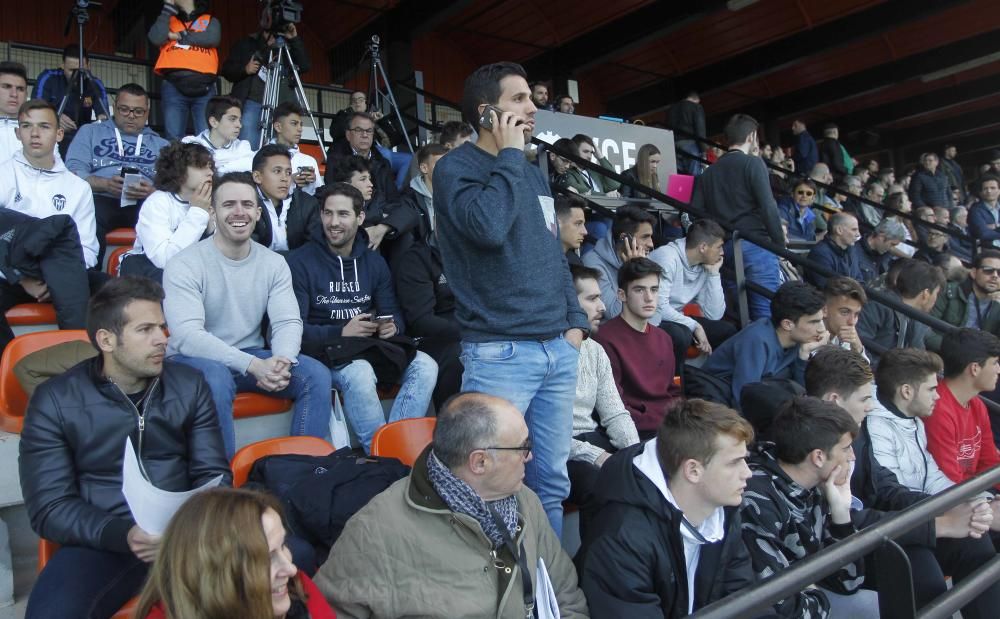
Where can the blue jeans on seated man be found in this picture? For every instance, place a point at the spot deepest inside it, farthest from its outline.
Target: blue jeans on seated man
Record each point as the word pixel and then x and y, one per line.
pixel 177 107
pixel 85 583
pixel 310 388
pixel 761 267
pixel 539 379
pixel 356 381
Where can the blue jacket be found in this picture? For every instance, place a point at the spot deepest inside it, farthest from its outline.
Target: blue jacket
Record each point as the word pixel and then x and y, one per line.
pixel 805 154
pixel 332 290
pixel 752 354
pixel 94 151
pixel 801 226
pixel 497 233
pixel 928 189
pixel 52 85
pixel 842 261
pixel 980 220
pixel 870 264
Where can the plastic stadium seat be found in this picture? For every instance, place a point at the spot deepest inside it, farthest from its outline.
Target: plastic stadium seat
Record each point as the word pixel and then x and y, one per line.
pixel 31 314
pixel 257 405
pixel 13 399
pixel 114 259
pixel 45 551
pixel 680 187
pixel 304 445
pixel 404 439
pixel 120 237
pixel 693 310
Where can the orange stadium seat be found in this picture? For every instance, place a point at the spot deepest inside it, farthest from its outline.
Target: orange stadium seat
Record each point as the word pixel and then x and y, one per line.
pixel 304 445
pixel 257 405
pixel 45 551
pixel 31 314
pixel 314 151
pixel 404 439
pixel 693 310
pixel 120 237
pixel 114 259
pixel 13 399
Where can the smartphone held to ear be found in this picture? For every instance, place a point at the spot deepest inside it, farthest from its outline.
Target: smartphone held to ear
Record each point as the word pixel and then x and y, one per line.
pixel 486 119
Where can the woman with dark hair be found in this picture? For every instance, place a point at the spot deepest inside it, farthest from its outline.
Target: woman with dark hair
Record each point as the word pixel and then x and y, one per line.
pixel 176 214
pixel 647 161
pixel 224 555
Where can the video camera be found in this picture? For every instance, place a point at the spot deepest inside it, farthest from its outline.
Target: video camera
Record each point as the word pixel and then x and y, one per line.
pixel 277 15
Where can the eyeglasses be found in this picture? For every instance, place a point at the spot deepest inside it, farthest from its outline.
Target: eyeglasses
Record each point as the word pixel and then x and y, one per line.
pixel 361 131
pixel 805 193
pixel 134 112
pixel 526 447
pixel 989 270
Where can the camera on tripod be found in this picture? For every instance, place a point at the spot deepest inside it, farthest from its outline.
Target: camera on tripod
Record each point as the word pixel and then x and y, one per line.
pixel 278 15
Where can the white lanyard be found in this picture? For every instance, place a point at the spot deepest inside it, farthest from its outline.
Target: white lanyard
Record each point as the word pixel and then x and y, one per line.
pixel 121 146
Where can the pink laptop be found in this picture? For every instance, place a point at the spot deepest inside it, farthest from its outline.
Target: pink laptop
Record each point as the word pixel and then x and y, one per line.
pixel 680 186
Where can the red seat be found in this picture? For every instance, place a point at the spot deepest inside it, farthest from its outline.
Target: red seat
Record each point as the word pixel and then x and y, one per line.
pixel 245 457
pixel 693 310
pixel 31 314
pixel 120 236
pixel 314 151
pixel 257 405
pixel 114 259
pixel 404 439
pixel 45 551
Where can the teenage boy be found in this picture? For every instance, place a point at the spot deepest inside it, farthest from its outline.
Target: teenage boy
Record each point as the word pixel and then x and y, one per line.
pixel 224 115
pixel 345 296
pixel 418 199
pixel 642 356
pixel 13 94
pixel 572 226
pixel 289 213
pixel 288 133
pixel 667 538
pixel 845 298
pixel 631 237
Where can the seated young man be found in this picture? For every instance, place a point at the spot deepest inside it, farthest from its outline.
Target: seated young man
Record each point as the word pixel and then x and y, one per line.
pixel 691 275
pixel 971 303
pixel 845 298
pixel 572 219
pixel 176 215
pixel 344 290
pixel 289 213
pixel 953 543
pixel 72 450
pixel 775 347
pixel 601 423
pixel 288 133
pixel 224 115
pixel 385 220
pixel 798 500
pixel 631 237
pixel 642 356
pixel 218 292
pixel 419 198
pixel 13 94
pixel 667 539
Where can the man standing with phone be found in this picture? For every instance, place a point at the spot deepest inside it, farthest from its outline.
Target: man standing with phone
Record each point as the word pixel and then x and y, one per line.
pixel 516 304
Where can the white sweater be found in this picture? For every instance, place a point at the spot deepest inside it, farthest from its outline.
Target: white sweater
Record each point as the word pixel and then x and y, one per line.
pixel 237 156
pixel 167 225
pixel 43 193
pixel 682 284
pixel 596 390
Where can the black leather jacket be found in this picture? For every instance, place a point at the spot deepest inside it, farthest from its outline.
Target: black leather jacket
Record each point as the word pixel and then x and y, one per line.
pixel 73 443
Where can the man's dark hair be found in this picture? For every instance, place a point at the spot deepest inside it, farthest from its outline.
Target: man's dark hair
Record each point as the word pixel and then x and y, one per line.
pixel 579 271
pixel 266 152
pixel 37 104
pixel 340 189
pixel 793 300
pixel 582 138
pixel 239 178
pixel 14 68
pixel 704 231
pixel 561 97
pixel 904 366
pixel 985 254
pixel 966 346
pixel 219 105
pixel 915 276
pixel 566 203
pixel 845 287
pixel 836 370
pixel 287 109
pixel 637 268
pixel 738 129
pixel 106 309
pixel 986 177
pixel 627 221
pixel 454 129
pixel 345 168
pixel 173 161
pixel 465 423
pixel 691 429
pixel 430 150
pixel 805 424
pixel 483 86
pixel 563 145
pixel 133 89
pixel 73 51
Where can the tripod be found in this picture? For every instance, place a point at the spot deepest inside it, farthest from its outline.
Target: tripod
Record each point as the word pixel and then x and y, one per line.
pixel 81 79
pixel 279 61
pixel 377 98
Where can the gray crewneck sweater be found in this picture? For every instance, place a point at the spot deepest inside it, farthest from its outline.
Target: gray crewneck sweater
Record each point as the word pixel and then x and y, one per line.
pixel 214 306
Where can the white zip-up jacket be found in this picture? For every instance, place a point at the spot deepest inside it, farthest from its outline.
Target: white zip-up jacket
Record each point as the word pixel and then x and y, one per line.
pixel 237 156
pixel 43 193
pixel 900 445
pixel 167 225
pixel 9 144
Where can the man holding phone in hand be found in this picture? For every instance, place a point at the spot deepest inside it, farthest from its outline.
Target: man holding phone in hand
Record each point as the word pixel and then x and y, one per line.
pixel 521 324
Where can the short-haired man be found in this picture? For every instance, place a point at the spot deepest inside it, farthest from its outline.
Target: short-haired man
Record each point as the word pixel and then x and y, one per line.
pixel 496 225
pixel 218 292
pixel 833 153
pixel 13 94
pixel 798 500
pixel 564 104
pixel 572 218
pixel 418 197
pixel 835 251
pixel 289 213
pixel 360 141
pixel 984 215
pixel 460 536
pixel 667 539
pixel 72 445
pixel 224 115
pixel 454 133
pixel 593 183
pixel 540 96
pixel 973 302
pixel 687 119
pixel 384 220
pixel 775 347
pixel 691 275
pixel 349 304
pixel 288 133
pixel 917 285
pixel 642 356
pixel 102 153
pixel 54 84
pixel 873 253
pixel 805 153
pixel 845 298
pixel 735 192
pixel 631 237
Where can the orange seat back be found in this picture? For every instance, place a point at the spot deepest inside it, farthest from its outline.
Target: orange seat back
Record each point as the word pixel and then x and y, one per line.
pixel 31 314
pixel 257 404
pixel 314 151
pixel 693 310
pixel 115 259
pixel 303 445
pixel 120 236
pixel 404 439
pixel 13 399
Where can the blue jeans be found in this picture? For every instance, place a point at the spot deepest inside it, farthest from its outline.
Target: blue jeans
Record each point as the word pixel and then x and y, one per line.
pixel 356 381
pixel 177 107
pixel 539 378
pixel 310 388
pixel 251 123
pixel 85 583
pixel 759 266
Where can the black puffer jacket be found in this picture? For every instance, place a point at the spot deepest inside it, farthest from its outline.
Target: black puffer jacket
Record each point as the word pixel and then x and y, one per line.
pixel 73 443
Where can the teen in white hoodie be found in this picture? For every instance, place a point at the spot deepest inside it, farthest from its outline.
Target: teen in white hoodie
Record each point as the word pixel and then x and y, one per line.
pixel 225 118
pixel 13 90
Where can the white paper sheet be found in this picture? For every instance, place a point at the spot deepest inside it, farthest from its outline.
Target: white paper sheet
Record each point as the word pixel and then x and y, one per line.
pixel 545 598
pixel 151 507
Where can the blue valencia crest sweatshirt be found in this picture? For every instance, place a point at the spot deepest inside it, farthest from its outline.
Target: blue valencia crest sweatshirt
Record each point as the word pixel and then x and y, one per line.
pixel 331 290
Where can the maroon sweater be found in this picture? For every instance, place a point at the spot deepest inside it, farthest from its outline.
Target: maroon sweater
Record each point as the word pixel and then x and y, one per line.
pixel 643 366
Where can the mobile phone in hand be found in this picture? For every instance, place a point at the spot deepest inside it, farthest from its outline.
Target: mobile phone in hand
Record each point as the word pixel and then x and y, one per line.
pixel 383 319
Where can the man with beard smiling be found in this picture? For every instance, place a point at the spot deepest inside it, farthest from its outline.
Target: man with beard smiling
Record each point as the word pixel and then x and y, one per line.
pixel 218 291
pixel 72 452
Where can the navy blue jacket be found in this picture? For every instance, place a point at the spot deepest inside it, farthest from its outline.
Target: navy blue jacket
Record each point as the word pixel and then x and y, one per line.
pixel 801 226
pixel 928 189
pixel 871 264
pixel 52 85
pixel 805 153
pixel 980 220
pixel 828 254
